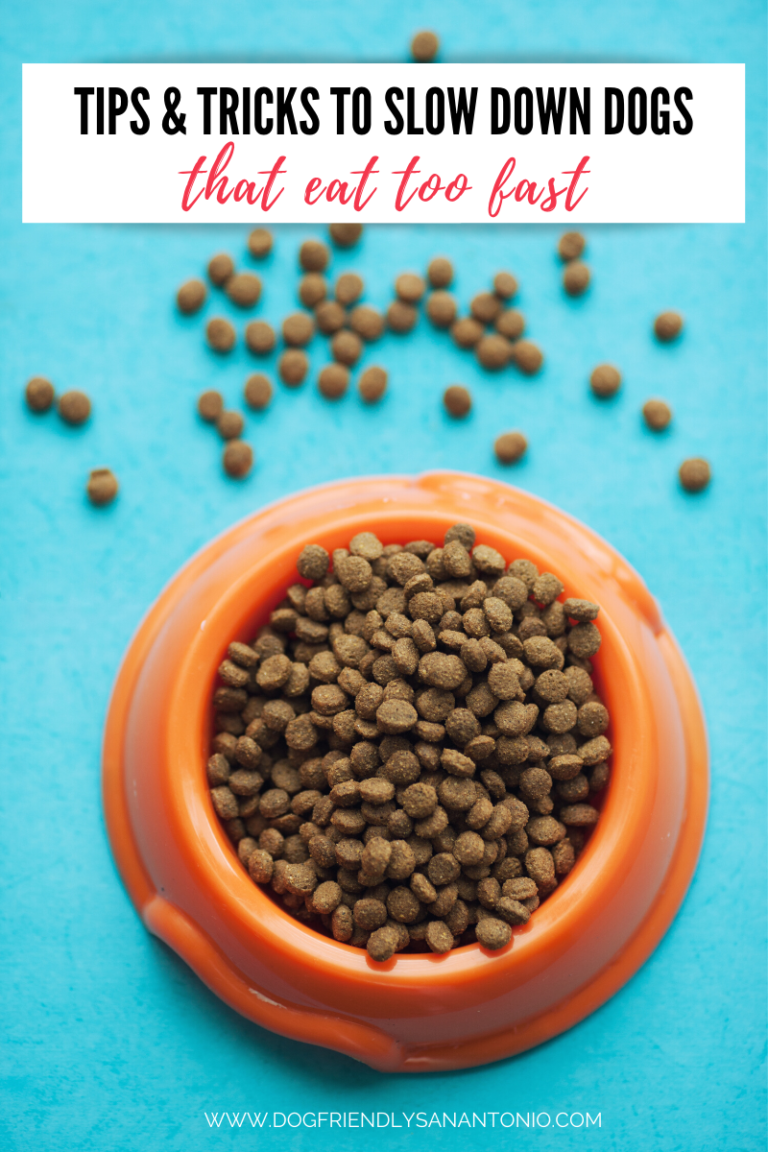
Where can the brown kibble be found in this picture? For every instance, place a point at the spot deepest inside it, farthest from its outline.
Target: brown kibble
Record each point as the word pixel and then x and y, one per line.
pixel 220 334
pixel 439 937
pixel 237 459
pixel 39 394
pixel 466 332
pixel 260 243
pixel 486 307
pixel 571 245
pixel 493 352
pixel 505 285
pixel 527 356
pixel 312 289
pixel 382 944
pixel 372 384
pixel 230 425
pixel 409 287
pixel 424 47
pixel 102 486
pixel 313 562
pixel 243 289
pixel 510 447
pixel 258 391
pixel 314 256
pixel 401 317
pixel 695 474
pixel 298 329
pixel 293 366
pixel 668 326
pixel 74 407
pixel 457 400
pixel 581 610
pixel 441 309
pixel 440 272
pixel 346 347
pixel 349 288
pixel 605 381
pixel 584 640
pixel 220 268
pixel 493 933
pixel 191 296
pixel 260 337
pixel 367 323
pixel 330 317
pixel 345 235
pixel 657 414
pixel 510 324
pixel 576 278
pixel 333 381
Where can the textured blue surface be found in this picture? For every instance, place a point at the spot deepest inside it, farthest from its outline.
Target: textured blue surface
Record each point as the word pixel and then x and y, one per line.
pixel 109 1042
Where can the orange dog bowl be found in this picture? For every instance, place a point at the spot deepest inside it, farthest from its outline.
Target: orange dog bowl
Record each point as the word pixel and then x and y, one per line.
pixel 416 1012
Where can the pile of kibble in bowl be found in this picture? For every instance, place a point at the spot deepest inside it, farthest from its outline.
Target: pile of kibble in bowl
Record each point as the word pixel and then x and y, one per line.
pixel 407 755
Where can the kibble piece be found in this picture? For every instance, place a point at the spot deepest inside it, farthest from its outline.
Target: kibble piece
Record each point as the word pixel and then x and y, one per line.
pixel 668 326
pixel 74 407
pixel 333 381
pixel 382 944
pixel 210 405
pixel 314 256
pixel 237 459
pixel 243 289
pixel 349 288
pixel 220 268
pixel 191 296
pixel 584 640
pixel 486 307
pixel 401 317
pixel 467 331
pixel 695 474
pixel 220 334
pixel 260 337
pixel 312 289
pixel 527 356
pixel 510 447
pixel 510 324
pixel 298 329
pixel 440 272
pixel 505 285
pixel 293 366
pixel 439 937
pixel 230 425
pixel 441 309
pixel 258 391
pixel 409 287
pixel 457 400
pixel 260 243
pixel 102 486
pixel 345 235
pixel 576 278
pixel 657 414
pixel 605 381
pixel 571 245
pixel 372 384
pixel 493 933
pixel 313 562
pixel 39 394
pixel 424 47
pixel 493 352
pixel 366 322
pixel 330 317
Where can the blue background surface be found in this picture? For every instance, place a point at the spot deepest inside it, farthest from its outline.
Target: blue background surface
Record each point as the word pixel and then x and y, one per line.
pixel 109 1042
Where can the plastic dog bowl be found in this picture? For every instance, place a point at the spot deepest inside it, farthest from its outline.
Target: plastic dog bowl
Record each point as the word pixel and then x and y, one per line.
pixel 416 1012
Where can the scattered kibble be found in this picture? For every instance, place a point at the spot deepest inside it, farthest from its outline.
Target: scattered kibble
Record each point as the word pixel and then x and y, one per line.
pixel 510 324
pixel 657 414
pixel 372 384
pixel 74 407
pixel 102 486
pixel 349 289
pixel 293 366
pixel 220 334
pixel 258 391
pixel 440 272
pixel 486 307
pixel 191 296
pixel 409 287
pixel 571 245
pixel 260 243
pixel 408 752
pixel 527 356
pixel 576 278
pixel 366 322
pixel 210 405
pixel 695 474
pixel 346 347
pixel 493 352
pixel 457 400
pixel 424 47
pixel 510 447
pixel 605 381
pixel 298 329
pixel 312 289
pixel 345 235
pixel 39 394
pixel 401 317
pixel 505 285
pixel 466 331
pixel 237 458
pixel 441 308
pixel 333 381
pixel 330 317
pixel 668 326
pixel 230 425
pixel 260 337
pixel 220 268
pixel 314 256
pixel 243 289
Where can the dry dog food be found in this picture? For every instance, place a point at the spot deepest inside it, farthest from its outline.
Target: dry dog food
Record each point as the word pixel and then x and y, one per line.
pixel 39 394
pixel 102 486
pixel 695 474
pixel 345 235
pixel 74 407
pixel 243 289
pixel 571 245
pixel 372 384
pixel 258 391
pixel 191 296
pixel 210 405
pixel 440 272
pixel 657 414
pixel 668 326
pixel 424 47
pixel 409 753
pixel 510 447
pixel 220 268
pixel 237 458
pixel 260 243
pixel 457 400
pixel 220 334
pixel 230 425
pixel 576 278
pixel 260 337
pixel 605 381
